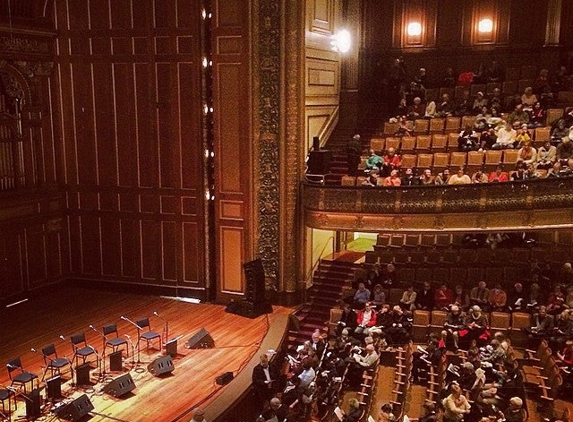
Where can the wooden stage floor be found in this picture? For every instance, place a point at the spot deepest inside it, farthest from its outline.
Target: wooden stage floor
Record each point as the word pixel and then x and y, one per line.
pixel 40 321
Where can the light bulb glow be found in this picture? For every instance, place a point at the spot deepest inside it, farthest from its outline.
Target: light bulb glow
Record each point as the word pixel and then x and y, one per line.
pixel 485 25
pixel 414 29
pixel 341 41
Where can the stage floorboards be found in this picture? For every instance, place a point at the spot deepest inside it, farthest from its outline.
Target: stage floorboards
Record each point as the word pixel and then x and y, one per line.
pixel 43 320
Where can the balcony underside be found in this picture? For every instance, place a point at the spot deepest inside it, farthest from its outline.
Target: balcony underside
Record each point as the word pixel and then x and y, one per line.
pixel 511 206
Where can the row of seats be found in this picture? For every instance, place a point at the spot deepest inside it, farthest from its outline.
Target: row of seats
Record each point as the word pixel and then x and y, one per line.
pixel 439 142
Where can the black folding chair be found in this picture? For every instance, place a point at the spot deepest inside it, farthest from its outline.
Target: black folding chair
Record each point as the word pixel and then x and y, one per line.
pixel 148 335
pixel 54 364
pixel 81 348
pixel 22 378
pixel 114 342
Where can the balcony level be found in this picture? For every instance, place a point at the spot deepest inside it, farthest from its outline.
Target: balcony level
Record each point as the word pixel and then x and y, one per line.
pixel 508 206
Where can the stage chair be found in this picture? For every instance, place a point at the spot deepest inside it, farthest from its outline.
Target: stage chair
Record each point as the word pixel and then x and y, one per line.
pixel 438 319
pixel 9 395
pixel 54 364
pixel 23 378
pixel 439 142
pixel 459 91
pixel 420 325
pixel 81 348
pixel 115 342
pixel 447 90
pixel 500 321
pixel 148 335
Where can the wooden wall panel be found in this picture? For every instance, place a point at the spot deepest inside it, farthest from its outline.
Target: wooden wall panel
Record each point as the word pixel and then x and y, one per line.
pixel 231 241
pixel 128 89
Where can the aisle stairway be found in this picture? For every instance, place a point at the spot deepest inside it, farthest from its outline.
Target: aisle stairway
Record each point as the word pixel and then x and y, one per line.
pixel 330 280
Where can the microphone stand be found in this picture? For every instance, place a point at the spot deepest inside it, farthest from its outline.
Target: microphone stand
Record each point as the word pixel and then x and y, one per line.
pixel 72 372
pixel 134 365
pixel 132 345
pixel 101 366
pixel 165 328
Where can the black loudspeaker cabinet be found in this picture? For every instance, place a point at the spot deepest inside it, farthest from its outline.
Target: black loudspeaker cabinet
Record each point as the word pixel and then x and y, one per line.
pixel 76 409
pixel 116 361
pixel 201 340
pixel 318 162
pixel 83 374
pixel 34 404
pixel 54 388
pixel 255 277
pixel 250 309
pixel 224 378
pixel 160 366
pixel 120 385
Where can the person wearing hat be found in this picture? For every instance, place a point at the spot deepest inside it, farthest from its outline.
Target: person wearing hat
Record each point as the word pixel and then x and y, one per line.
pixel 198 415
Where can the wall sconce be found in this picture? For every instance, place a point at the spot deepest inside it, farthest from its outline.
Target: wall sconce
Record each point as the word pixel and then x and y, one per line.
pixel 414 29
pixel 485 26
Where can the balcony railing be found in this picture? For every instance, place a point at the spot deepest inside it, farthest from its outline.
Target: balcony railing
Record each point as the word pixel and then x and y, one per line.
pixel 517 205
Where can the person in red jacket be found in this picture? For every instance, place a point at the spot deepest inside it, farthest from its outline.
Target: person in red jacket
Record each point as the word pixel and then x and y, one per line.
pixel 443 297
pixel 365 320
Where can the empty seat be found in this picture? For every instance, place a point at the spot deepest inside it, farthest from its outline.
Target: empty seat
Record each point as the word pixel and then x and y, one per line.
pixel 492 159
pixel 378 145
pixel 542 134
pixel 408 144
pixel 441 160
pixel 348 181
pixel 439 142
pixel 424 161
pixel 458 159
pixel 468 120
pixel 475 160
pixel 452 144
pixel 392 143
pixel 453 124
pixel 421 126
pixel 409 161
pixel 423 143
pixel 390 128
pixel 553 114
pixel 437 124
pixel 510 157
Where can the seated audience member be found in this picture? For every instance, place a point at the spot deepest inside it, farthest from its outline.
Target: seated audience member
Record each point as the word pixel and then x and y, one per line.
pixel 563 330
pixel 515 412
pixel 479 177
pixel 541 327
pixel 409 179
pixel 518 115
pixel 359 363
pixel 527 154
pixel 354 411
pixel 480 295
pixel 398 328
pixel 426 357
pixel 487 139
pixel 347 318
pixel 468 140
pixel 277 412
pixel 372 179
pixel 426 178
pixel 523 136
pixel 475 326
pixel 460 178
pixel 495 121
pixel 443 297
pixel 556 301
pixel 391 162
pixel 445 107
pixel 528 98
pixel 456 406
pixel 425 297
pixel 365 319
pixel 361 296
pixel 496 99
pixel 389 275
pixel 505 137
pixel 393 179
pixel 373 162
pixel 317 343
pixel 378 296
pixel 516 300
pixel 402 109
pixel 534 297
pixel 481 120
pixel 417 109
pixel 386 414
pixel 479 102
pixel 408 299
pixel 405 127
pixel 521 172
pixel 464 104
pixel 497 298
pixel 536 116
pixel 460 297
pixel 559 132
pixel 455 321
pixel 566 355
pixel 307 375
pixel 443 177
pixel 546 156
pixel 430 112
pixel 564 155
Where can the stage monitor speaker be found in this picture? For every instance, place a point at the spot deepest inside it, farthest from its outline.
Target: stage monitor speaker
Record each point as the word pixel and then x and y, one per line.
pixel 160 366
pixel 33 404
pixel 201 340
pixel 224 378
pixel 255 277
pixel 76 409
pixel 171 347
pixel 116 361
pixel 120 385
pixel 83 374
pixel 54 388
pixel 318 162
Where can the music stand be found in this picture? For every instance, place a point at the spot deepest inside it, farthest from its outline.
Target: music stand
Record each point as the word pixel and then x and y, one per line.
pixel 54 388
pixel 116 361
pixel 171 347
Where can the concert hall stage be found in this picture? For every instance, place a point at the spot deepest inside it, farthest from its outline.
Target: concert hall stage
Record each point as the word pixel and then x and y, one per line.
pixel 169 398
